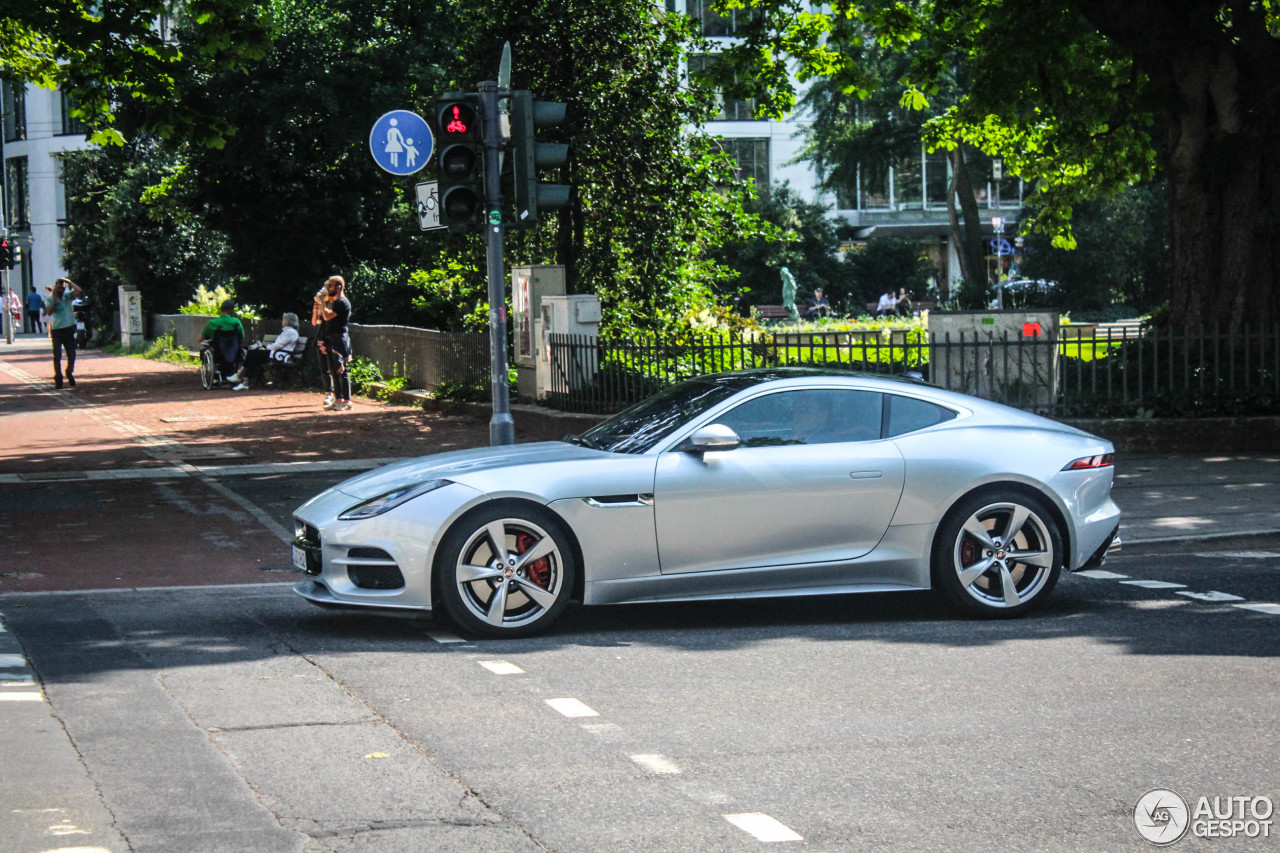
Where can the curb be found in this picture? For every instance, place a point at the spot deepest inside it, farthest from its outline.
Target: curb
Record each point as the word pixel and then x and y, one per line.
pixel 531 421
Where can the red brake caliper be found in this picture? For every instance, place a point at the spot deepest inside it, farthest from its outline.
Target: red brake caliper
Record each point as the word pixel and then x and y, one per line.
pixel 540 569
pixel 968 553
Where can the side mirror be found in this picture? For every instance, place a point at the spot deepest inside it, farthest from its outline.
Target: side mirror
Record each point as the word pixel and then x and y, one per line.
pixel 711 437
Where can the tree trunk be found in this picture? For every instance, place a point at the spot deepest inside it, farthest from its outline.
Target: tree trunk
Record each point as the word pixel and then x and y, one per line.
pixel 967 237
pixel 1218 94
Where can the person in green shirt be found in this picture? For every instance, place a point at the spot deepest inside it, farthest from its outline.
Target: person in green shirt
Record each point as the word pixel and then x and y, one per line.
pixel 231 347
pixel 63 324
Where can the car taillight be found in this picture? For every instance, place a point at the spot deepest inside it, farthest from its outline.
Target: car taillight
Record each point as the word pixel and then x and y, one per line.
pixel 1102 460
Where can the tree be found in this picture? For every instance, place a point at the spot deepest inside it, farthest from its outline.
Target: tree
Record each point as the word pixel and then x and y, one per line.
pixel 888 264
pixel 1083 98
pixel 122 54
pixel 653 197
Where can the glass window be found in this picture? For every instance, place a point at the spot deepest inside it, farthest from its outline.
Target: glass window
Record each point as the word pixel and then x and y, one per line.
pixel 907 414
pixel 820 416
pixel 908 185
pixel 728 109
pixel 714 24
pixel 14 107
pixel 752 157
pixel 645 424
pixel 873 184
pixel 936 178
pixel 18 212
pixel 70 124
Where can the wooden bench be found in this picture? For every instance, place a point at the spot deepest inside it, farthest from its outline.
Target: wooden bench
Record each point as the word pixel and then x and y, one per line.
pixel 274 369
pixel 773 312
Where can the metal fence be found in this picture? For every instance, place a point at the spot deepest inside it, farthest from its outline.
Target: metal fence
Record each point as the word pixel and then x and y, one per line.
pixel 425 357
pixel 1115 372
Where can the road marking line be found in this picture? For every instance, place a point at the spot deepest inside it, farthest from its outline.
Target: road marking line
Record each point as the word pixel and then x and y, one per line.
pixel 22 697
pixel 1240 555
pixel 656 763
pixel 16 682
pixel 445 637
pixel 13 662
pixel 1099 574
pixel 571 708
pixel 1212 595
pixel 1273 609
pixel 763 827
pixel 501 667
pixel 1155 584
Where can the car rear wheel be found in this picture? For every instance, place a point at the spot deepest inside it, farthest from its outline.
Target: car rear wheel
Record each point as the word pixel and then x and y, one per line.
pixel 505 571
pixel 998 555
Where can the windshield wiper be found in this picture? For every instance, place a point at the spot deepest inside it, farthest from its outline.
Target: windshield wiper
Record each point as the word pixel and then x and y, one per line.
pixel 581 442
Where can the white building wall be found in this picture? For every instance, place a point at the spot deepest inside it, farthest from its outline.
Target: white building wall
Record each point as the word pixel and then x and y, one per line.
pixel 45 197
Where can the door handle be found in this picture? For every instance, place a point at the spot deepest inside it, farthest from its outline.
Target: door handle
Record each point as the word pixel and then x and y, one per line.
pixel 866 475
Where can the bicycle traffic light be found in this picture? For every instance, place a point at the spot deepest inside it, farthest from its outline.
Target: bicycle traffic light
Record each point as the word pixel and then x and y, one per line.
pixel 461 188
pixel 532 196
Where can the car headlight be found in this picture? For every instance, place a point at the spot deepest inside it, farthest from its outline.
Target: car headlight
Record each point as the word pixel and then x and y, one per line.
pixel 390 500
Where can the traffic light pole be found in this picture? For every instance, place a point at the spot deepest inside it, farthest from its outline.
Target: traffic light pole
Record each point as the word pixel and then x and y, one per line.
pixel 502 429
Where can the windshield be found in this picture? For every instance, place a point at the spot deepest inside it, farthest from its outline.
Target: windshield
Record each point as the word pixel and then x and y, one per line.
pixel 640 427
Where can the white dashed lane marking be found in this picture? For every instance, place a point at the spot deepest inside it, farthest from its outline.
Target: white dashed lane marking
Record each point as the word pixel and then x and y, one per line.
pixel 1155 584
pixel 22 696
pixel 763 827
pixel 1099 574
pixel 571 708
pixel 501 667
pixel 1273 609
pixel 656 763
pixel 8 661
pixel 1240 555
pixel 1212 595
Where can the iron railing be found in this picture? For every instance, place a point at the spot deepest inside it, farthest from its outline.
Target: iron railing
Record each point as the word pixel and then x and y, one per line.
pixel 1111 372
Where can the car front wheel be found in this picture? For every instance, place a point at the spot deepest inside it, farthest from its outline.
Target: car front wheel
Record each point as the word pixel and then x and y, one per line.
pixel 998 554
pixel 505 571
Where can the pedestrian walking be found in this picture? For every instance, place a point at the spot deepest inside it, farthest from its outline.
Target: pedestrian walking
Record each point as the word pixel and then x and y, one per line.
pixel 15 311
pixel 35 307
pixel 44 311
pixel 334 309
pixel 62 328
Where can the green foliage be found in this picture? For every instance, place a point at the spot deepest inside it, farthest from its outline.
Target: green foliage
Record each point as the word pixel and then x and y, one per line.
pixel 1122 255
pixel 884 264
pixel 112 56
pixel 451 295
pixel 802 239
pixel 362 372
pixel 208 303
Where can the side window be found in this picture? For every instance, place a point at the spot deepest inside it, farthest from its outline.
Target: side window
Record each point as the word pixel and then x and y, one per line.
pixel 907 414
pixel 820 416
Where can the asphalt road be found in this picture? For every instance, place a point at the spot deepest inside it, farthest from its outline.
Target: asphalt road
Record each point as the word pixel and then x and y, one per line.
pixel 242 719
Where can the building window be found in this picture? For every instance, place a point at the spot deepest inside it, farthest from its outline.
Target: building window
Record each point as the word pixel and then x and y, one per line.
pixel 873 188
pixel 714 24
pixel 908 183
pixel 70 124
pixel 18 212
pixel 936 179
pixel 752 157
pixel 15 111
pixel 728 109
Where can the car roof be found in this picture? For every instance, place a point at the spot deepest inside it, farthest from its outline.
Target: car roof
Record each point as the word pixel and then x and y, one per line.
pixel 743 379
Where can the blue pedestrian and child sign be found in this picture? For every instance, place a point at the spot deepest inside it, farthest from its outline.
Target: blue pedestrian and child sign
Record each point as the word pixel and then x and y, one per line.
pixel 401 142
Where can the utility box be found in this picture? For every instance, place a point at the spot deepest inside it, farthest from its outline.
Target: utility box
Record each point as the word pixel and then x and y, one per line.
pixel 1007 356
pixel 529 284
pixel 131 329
pixel 579 315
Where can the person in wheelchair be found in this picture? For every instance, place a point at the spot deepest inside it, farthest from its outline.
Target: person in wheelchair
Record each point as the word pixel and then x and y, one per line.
pixel 257 356
pixel 222 346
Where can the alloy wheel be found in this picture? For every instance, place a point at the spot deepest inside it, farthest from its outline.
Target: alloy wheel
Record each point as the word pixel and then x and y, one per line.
pixel 510 573
pixel 1004 555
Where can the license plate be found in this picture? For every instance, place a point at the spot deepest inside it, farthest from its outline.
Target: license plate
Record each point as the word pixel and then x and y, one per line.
pixel 299 558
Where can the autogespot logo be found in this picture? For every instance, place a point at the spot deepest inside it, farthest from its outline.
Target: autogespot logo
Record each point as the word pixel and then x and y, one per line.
pixel 1161 816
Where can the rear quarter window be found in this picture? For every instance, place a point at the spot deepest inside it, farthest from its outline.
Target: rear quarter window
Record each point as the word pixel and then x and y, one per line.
pixel 907 414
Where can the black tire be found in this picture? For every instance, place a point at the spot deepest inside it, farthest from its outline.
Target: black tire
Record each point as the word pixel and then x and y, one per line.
pixel 975 567
pixel 208 373
pixel 513 599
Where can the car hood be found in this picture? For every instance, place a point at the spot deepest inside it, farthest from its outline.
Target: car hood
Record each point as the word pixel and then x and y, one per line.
pixel 459 463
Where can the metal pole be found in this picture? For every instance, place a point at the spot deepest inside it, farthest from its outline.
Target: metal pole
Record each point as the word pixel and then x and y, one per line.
pixel 502 429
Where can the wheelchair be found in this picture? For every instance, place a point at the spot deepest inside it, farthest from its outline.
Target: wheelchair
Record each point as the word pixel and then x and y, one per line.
pixel 219 359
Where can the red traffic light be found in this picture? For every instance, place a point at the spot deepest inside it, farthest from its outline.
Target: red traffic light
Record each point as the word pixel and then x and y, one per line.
pixel 457 120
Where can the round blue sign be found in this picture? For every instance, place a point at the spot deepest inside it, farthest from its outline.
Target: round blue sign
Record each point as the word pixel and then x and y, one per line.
pixel 401 142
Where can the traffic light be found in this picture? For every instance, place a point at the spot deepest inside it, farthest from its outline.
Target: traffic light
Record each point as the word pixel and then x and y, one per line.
pixel 461 189
pixel 6 254
pixel 529 155
pixel 17 257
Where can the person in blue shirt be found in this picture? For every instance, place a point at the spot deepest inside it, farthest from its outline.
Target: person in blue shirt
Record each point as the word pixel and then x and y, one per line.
pixel 35 304
pixel 62 319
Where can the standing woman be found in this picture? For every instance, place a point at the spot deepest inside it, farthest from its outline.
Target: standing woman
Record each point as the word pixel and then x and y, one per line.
pixel 318 321
pixel 62 322
pixel 336 311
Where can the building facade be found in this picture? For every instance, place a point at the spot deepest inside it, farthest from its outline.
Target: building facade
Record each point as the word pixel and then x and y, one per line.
pixel 37 124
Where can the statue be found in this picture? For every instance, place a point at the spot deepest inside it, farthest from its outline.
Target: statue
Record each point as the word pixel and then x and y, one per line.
pixel 789 294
